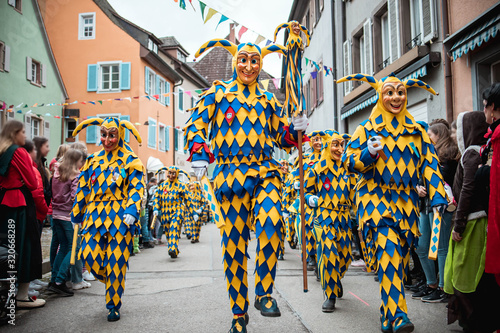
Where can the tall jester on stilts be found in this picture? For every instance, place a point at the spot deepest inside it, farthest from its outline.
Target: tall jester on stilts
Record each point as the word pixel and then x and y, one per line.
pixel 391 152
pixel 247 124
pixel 295 106
pixel 107 204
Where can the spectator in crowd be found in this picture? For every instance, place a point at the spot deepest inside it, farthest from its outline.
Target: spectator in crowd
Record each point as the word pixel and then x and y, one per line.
pixel 448 154
pixel 17 209
pixel 64 186
pixel 475 294
pixel 42 150
pixel 60 153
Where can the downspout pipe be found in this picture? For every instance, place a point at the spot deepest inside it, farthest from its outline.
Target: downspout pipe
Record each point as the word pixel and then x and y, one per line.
pixel 448 83
pixel 175 110
pixel 334 55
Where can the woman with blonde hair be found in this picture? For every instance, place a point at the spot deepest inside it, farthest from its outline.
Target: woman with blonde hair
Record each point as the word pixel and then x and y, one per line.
pixel 17 209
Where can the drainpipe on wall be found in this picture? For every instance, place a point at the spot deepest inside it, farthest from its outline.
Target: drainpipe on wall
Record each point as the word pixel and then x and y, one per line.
pixel 335 116
pixel 448 84
pixel 175 110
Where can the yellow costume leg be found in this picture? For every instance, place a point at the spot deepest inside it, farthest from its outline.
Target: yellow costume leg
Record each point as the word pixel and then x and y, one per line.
pixel 117 255
pixel 92 253
pixel 328 264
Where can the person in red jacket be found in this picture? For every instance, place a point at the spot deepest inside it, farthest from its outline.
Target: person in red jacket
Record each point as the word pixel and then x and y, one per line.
pixel 17 211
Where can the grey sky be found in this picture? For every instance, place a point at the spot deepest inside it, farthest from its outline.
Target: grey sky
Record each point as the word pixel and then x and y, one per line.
pixel 166 18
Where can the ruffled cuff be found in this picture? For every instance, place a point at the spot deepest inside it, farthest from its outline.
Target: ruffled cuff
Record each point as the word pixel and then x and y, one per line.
pixel 201 152
pixel 291 136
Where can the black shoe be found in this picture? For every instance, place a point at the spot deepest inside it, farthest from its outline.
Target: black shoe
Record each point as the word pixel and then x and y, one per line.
pixel 114 314
pixel 172 254
pixel 328 305
pixel 141 246
pixel 422 293
pixel 239 325
pixel 341 291
pixel 375 278
pixel 293 244
pixel 416 287
pixel 267 306
pixel 61 289
pixel 149 245
pixel 280 257
pixel 316 272
pixel 193 241
pixel 188 236
pixel 436 296
pixel 311 263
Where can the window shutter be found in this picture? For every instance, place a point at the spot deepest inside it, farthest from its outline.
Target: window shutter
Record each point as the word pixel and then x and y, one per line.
pixel 176 140
pixel 429 19
pixel 152 133
pixel 27 126
pixel 91 78
pixel 314 86
pixel 127 132
pixel 367 33
pixel 91 134
pixel 393 13
pixel 181 99
pixel 46 129
pixel 6 59
pixel 12 3
pixel 167 138
pixel 28 68
pixel 157 88
pixel 125 76
pixel 167 90
pixel 43 69
pixel 347 65
pixel 146 80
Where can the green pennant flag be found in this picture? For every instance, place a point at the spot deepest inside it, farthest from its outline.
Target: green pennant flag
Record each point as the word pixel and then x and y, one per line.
pixel 100 102
pixel 202 7
pixel 182 4
pixel 307 61
pixel 302 75
pixel 198 91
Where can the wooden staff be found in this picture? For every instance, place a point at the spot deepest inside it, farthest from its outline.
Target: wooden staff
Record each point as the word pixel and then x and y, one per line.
pixel 153 222
pixel 302 213
pixel 73 246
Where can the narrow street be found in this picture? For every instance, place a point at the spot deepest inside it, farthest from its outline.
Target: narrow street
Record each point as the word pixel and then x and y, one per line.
pixel 188 294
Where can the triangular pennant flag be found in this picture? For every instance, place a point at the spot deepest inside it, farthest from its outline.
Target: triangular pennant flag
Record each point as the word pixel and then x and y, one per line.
pixel 188 93
pixel 182 4
pixel 93 103
pixel 307 61
pixel 242 31
pixel 268 42
pixel 25 106
pixel 156 96
pixel 148 97
pixel 211 12
pixel 222 19
pixel 276 83
pixel 265 84
pixel 128 98
pixel 202 7
pixel 100 102
pixel 35 105
pixel 198 91
pixel 19 105
pixel 314 74
pixel 259 39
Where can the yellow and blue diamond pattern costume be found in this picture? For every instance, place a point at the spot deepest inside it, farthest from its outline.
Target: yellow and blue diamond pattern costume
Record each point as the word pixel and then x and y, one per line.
pixel 199 204
pixel 247 124
pixel 111 184
pixel 330 181
pixel 170 201
pixel 386 200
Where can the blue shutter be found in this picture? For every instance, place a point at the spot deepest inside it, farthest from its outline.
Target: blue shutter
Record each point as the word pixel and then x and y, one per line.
pixel 181 99
pixel 125 76
pixel 91 132
pixel 157 88
pixel 91 78
pixel 167 138
pixel 176 140
pixel 146 80
pixel 152 134
pixel 127 132
pixel 167 90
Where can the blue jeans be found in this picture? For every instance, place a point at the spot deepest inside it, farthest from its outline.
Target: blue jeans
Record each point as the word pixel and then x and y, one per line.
pixel 422 250
pixel 60 269
pixel 76 269
pixel 145 228
pixel 54 244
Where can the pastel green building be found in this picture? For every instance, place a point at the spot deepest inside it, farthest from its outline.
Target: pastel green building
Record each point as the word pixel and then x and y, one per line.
pixel 28 73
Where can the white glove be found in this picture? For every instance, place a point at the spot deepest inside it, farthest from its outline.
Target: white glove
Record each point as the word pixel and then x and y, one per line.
pixel 313 201
pixel 300 122
pixel 196 217
pixel 200 168
pixel 296 185
pixel 128 219
pixel 155 213
pixel 374 145
pixel 285 215
pixel 198 211
pixel 76 224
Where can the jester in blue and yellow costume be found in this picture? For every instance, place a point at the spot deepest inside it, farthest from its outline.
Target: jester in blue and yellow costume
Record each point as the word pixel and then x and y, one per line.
pixel 391 152
pixel 170 201
pixel 108 204
pixel 247 124
pixel 200 208
pixel 330 192
pixel 289 194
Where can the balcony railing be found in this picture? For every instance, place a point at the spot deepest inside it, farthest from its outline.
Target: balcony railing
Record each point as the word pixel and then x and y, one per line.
pixel 384 63
pixel 416 41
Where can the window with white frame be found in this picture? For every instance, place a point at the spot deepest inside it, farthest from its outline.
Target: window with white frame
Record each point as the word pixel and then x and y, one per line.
pixel 2 55
pixel 152 46
pixel 152 133
pixel 17 4
pixel 151 83
pixel 161 137
pixel 181 56
pixel 163 91
pixel 109 77
pixel 180 99
pixel 86 26
pixel 384 27
pixel 193 102
pixel 423 22
pixel 70 125
pixel 416 21
pixel 35 72
pixel 36 126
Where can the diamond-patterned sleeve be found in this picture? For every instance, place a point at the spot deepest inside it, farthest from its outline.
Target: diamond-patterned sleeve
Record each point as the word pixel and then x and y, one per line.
pixel 353 181
pixel 196 129
pixel 157 198
pixel 285 135
pixel 357 156
pixel 431 173
pixel 135 186
pixel 310 183
pixel 82 193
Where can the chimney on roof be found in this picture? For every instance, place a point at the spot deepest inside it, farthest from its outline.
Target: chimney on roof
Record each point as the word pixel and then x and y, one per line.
pixel 232 37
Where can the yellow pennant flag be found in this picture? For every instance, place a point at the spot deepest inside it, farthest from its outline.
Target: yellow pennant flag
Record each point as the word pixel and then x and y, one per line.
pixel 265 84
pixel 211 12
pixel 259 39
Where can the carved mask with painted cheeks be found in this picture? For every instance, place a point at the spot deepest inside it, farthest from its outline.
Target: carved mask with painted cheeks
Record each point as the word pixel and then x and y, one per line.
pixel 317 143
pixel 248 66
pixel 296 28
pixel 109 138
pixel 394 96
pixel 337 149
pixel 284 167
pixel 172 175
